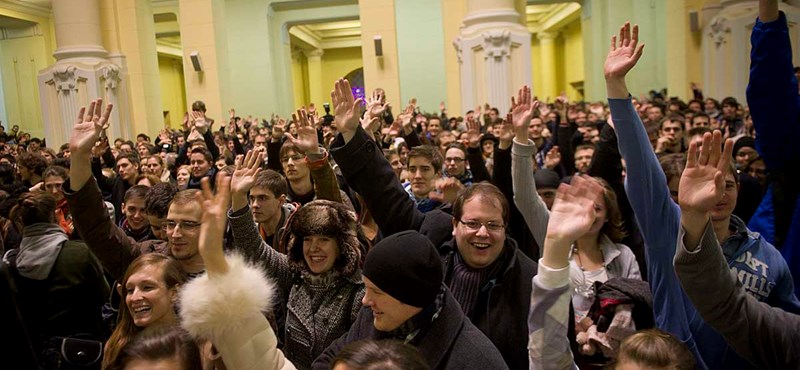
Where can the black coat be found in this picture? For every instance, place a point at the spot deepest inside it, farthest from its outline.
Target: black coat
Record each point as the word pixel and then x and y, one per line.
pixel 451 343
pixel 502 308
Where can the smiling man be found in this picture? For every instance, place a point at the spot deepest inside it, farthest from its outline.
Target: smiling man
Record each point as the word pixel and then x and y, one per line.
pixel 405 300
pixel 424 167
pixel 488 275
pixel 135 224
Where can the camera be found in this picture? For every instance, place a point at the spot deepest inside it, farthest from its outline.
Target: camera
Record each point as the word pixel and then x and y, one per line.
pixel 327 107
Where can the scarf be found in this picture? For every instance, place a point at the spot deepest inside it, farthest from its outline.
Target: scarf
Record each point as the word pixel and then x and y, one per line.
pixel 138 235
pixel 467 282
pixel 423 204
pixel 39 249
pixel 64 218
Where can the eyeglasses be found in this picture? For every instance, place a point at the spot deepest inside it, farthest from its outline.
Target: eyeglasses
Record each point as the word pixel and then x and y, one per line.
pixel 185 225
pixel 475 225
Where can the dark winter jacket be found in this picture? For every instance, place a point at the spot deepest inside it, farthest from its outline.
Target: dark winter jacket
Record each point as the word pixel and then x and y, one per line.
pixel 503 302
pixel 452 342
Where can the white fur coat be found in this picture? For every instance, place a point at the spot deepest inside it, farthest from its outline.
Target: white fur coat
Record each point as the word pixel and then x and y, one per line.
pixel 227 309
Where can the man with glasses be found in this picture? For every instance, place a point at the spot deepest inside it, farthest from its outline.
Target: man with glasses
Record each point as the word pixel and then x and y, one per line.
pixel 488 275
pixel 108 242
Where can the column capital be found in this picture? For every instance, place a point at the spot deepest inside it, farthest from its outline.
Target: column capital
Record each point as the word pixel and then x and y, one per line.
pixel 546 36
pixel 496 43
pixel 314 53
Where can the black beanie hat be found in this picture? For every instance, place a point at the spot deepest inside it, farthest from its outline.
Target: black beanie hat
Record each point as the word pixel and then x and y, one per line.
pixel 743 142
pixel 407 267
pixel 546 179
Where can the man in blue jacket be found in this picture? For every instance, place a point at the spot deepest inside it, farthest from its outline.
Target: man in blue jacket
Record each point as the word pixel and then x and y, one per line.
pixel 759 266
pixel 775 107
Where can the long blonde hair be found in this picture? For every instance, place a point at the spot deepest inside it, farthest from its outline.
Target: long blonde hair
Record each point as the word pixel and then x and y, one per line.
pixel 126 330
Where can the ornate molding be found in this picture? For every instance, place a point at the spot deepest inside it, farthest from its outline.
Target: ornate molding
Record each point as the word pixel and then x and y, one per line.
pixel 497 44
pixel 718 30
pixel 314 53
pixel 109 74
pixel 65 79
pixel 459 49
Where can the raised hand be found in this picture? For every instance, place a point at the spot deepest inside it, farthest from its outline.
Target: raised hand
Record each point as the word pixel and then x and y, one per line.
pixel 506 136
pixel 345 108
pixel 306 140
pixel 278 129
pixel 447 189
pixel 571 216
pixel 376 105
pixel 474 133
pixel 90 123
pixel 199 121
pixel 212 226
pixel 247 167
pixel 370 125
pixel 624 53
pixel 522 110
pixel 553 158
pixel 702 184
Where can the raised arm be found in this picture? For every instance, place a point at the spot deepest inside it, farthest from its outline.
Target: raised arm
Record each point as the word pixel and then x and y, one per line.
pixel 224 305
pixel 474 153
pixel 527 200
pixel 325 185
pixel 766 336
pixel 572 215
pixel 366 169
pixel 246 239
pixel 772 92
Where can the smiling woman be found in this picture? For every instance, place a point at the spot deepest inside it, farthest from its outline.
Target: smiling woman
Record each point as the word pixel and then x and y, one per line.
pixel 149 287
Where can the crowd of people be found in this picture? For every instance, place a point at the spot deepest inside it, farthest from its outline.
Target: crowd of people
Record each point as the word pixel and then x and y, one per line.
pixel 557 235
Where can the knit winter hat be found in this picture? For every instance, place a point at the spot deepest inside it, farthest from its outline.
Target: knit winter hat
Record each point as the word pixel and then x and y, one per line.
pixel 743 142
pixel 546 179
pixel 407 267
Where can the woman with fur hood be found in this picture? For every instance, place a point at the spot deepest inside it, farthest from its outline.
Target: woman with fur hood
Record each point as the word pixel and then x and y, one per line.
pixel 319 279
pixel 224 304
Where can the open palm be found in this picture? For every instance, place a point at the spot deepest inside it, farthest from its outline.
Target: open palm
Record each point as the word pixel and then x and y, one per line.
pixel 306 140
pixel 573 211
pixel 522 110
pixel 473 133
pixel 702 184
pixel 345 106
pixel 90 123
pixel 624 53
pixel 212 226
pixel 246 169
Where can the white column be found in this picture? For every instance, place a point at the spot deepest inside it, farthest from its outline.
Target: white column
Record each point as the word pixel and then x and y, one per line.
pixel 81 73
pixel 494 52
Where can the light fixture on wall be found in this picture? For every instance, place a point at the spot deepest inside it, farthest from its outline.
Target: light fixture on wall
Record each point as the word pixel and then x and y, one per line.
pixel 378 46
pixel 196 64
pixel 694 21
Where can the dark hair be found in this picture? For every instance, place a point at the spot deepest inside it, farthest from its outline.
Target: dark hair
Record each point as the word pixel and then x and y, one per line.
pixel 428 152
pixel 34 162
pixel 157 199
pixel 380 355
pixel 699 130
pixel 199 106
pixel 700 114
pixel 143 136
pixel 272 181
pixel 149 177
pixel 714 101
pixel 163 343
pixel 457 145
pixel 654 348
pixel 731 101
pixel 136 191
pixel 33 208
pixel 287 146
pixel 54 170
pixel 484 190
pixel 672 118
pixel 205 152
pixel 132 157
pixel 673 165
